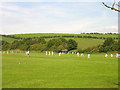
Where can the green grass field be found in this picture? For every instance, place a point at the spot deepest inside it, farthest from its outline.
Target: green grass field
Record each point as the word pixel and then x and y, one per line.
pixel 84 43
pixel 65 71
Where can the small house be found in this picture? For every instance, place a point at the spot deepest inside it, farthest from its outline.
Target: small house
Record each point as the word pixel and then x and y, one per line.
pixel 65 51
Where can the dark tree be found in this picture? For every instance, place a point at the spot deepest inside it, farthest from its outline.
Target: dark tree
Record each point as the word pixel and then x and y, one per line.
pixel 72 44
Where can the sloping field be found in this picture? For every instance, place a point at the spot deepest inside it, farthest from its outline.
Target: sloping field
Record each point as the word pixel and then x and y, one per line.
pixel 84 43
pixel 7 39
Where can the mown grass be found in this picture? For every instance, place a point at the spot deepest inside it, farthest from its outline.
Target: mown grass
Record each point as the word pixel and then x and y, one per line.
pixel 66 71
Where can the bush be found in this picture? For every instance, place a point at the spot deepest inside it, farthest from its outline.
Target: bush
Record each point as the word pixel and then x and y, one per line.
pixel 72 44
pixel 109 45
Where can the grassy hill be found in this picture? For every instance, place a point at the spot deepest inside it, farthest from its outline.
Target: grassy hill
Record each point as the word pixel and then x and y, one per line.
pixel 82 42
pixel 61 34
pixel 85 42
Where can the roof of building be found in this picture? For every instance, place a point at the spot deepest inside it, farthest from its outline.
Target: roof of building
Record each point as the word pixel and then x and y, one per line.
pixel 64 50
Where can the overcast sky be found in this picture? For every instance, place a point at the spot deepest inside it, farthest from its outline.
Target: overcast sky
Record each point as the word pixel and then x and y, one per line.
pixel 57 17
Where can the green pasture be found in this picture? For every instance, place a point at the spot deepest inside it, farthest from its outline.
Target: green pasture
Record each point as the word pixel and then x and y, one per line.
pixel 65 71
pixel 84 43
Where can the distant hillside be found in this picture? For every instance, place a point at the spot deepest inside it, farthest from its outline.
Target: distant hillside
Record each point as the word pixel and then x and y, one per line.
pixel 83 40
pixel 54 35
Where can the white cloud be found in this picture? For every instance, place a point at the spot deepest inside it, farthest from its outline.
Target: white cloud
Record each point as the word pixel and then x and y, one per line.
pixel 112 27
pixel 8 7
pixel 52 18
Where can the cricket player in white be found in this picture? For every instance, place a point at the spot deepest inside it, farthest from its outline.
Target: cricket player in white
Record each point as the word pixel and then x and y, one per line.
pixel 78 54
pixel 59 53
pixel 52 53
pixel 111 55
pixel 88 55
pixel 106 55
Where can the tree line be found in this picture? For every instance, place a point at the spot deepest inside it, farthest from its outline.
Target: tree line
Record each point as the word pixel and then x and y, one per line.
pixel 40 44
pixel 58 44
